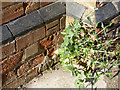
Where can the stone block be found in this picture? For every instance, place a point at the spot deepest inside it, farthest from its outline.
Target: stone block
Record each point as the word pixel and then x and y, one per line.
pixel 25 23
pixel 52 11
pixel 74 10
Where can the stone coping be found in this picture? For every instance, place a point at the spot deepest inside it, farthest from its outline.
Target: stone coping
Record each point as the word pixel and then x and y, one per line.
pixel 26 23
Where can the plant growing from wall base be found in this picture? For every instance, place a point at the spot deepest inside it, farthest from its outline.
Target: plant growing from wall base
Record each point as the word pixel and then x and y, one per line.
pixel 87 55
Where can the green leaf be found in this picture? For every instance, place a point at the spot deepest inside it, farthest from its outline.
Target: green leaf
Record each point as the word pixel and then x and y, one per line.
pixel 96 25
pixel 95 80
pixel 89 20
pixel 115 63
pixel 63 33
pixel 75 21
pixel 104 32
pixel 101 65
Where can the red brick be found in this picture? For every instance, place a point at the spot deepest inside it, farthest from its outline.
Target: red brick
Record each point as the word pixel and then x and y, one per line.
pixel 38 34
pixel 32 74
pixel 29 65
pixel 52 30
pixel 11 12
pixel 30 6
pixel 42 4
pixel 51 51
pixel 60 38
pixel 8 76
pixel 33 71
pixel 51 24
pixel 24 41
pixel 46 42
pixel 16 83
pixel 5 4
pixel 38 60
pixel 7 49
pixel 10 62
pixel 63 22
pixel 31 50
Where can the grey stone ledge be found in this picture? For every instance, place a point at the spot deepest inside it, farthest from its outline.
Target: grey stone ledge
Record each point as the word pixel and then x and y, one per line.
pixel 5 35
pixel 51 11
pixel 75 10
pixel 25 23
pixel 107 12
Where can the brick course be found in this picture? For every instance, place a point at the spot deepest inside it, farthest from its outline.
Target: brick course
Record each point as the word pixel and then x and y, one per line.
pixel 51 24
pixel 7 49
pixel 5 4
pixel 42 4
pixel 31 50
pixel 38 34
pixel 24 41
pixel 52 30
pixel 30 6
pixel 8 76
pixel 30 64
pixel 11 12
pixel 62 22
pixel 10 62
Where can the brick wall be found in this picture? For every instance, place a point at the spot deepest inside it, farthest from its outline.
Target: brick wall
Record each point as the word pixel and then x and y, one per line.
pixel 30 34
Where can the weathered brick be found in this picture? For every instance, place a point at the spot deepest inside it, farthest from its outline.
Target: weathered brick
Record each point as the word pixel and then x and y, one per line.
pixel 24 41
pixel 38 34
pixel 16 83
pixel 32 74
pixel 51 51
pixel 46 42
pixel 8 76
pixel 7 49
pixel 38 60
pixel 31 50
pixel 30 6
pixel 12 12
pixel 62 22
pixel 30 64
pixel 52 30
pixel 5 4
pixel 51 24
pixel 60 38
pixel 10 62
pixel 42 4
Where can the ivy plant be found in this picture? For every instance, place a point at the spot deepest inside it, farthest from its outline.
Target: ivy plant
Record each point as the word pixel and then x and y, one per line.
pixel 86 54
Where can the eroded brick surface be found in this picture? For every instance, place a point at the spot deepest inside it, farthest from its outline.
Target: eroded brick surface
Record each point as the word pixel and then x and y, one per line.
pixel 10 62
pixel 11 12
pixel 30 64
pixel 7 49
